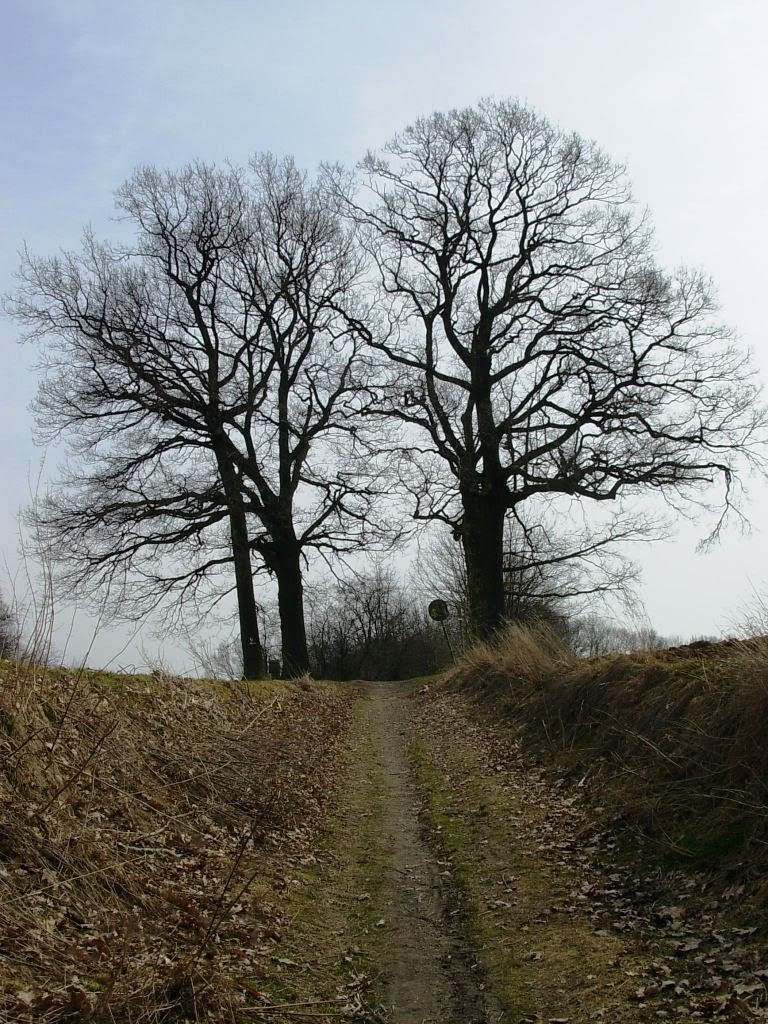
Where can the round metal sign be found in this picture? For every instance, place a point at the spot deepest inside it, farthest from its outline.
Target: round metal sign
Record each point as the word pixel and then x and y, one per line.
pixel 438 610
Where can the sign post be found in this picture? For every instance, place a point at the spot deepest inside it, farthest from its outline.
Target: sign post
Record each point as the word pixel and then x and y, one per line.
pixel 439 611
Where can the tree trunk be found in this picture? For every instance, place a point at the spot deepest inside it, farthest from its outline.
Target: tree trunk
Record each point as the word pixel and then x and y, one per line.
pixel 290 599
pixel 247 610
pixel 482 537
pixel 253 654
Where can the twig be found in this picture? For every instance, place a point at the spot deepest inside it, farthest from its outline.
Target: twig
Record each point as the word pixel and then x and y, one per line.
pixel 79 771
pixel 274 1007
pixel 21 746
pixel 643 739
pixel 74 878
pixel 217 915
pixel 289 1013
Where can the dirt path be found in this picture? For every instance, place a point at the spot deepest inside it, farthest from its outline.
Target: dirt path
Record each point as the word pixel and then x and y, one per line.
pixel 510 843
pixel 478 921
pixel 430 975
pixel 456 883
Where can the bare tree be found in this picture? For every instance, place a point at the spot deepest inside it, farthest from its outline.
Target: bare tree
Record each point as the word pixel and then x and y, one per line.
pixel 222 660
pixel 209 380
pixel 550 565
pixel 369 626
pixel 536 346
pixel 594 635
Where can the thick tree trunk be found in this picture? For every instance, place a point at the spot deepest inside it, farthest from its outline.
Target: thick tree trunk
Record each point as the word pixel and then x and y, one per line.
pixel 247 610
pixel 290 599
pixel 253 654
pixel 482 537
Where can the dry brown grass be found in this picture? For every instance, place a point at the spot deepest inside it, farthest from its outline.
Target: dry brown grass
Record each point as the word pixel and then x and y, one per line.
pixel 525 653
pixel 143 828
pixel 672 743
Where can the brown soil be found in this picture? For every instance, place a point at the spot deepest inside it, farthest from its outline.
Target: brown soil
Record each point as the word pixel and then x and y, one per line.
pixel 430 974
pixel 493 899
pixel 569 925
pixel 469 903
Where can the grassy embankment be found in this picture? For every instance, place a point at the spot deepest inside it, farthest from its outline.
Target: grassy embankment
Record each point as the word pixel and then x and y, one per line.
pixel 596 809
pixel 159 844
pixel 672 743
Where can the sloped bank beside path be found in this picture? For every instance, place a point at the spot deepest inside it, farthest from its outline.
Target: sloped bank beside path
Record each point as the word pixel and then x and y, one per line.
pixel 483 892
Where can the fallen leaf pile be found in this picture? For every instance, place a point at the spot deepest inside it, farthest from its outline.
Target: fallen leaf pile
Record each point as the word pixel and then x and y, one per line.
pixel 146 829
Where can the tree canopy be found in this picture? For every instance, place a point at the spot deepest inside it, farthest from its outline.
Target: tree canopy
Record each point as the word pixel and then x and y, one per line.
pixel 209 378
pixel 487 282
pixel 536 346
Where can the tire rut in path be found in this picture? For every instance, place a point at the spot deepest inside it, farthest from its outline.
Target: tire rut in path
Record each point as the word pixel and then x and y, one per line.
pixel 429 968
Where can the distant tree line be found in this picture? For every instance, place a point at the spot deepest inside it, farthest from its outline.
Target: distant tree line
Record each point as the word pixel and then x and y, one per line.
pixel 370 627
pixel 374 625
pixel 593 635
pixel 276 369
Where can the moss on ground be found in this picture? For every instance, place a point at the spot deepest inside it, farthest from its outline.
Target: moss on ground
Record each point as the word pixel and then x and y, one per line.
pixel 332 946
pixel 538 957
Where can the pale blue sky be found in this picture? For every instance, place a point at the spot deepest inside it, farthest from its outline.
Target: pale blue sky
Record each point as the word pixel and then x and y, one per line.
pixel 676 88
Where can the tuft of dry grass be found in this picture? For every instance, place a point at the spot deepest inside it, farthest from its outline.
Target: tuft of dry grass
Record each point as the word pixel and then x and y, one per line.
pixel 143 826
pixel 525 653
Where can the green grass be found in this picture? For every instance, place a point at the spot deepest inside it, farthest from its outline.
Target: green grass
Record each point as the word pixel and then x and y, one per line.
pixel 490 828
pixel 460 843
pixel 326 919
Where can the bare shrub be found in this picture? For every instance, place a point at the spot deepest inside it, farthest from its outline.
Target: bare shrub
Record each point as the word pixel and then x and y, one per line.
pixel 369 627
pixel 9 631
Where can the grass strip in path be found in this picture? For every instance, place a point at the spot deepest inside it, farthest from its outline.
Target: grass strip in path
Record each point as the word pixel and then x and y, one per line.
pixel 498 827
pixel 332 944
pixel 428 966
pixel 375 909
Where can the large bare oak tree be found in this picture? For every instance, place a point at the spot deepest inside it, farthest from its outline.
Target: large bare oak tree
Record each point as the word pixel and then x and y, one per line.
pixel 209 380
pixel 536 346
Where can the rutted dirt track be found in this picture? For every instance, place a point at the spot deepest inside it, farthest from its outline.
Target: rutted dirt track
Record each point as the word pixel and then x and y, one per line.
pixel 430 976
pixel 373 853
pixel 472 930
pixel 492 899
